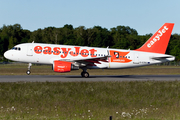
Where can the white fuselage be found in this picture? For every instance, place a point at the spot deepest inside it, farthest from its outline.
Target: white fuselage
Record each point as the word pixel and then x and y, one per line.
pixel 117 58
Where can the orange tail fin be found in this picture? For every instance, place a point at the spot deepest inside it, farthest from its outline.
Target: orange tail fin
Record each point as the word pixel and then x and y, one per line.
pixel 159 41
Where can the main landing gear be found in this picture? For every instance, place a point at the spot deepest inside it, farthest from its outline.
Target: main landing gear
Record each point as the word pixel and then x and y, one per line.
pixel 28 72
pixel 84 73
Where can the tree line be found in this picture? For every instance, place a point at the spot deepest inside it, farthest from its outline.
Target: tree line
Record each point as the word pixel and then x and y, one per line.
pixel 120 37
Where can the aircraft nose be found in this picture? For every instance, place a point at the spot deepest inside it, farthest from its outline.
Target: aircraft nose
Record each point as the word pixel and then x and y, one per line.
pixel 7 55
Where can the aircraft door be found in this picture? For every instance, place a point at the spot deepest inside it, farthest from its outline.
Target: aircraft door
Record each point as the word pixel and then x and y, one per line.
pixel 136 58
pixel 30 50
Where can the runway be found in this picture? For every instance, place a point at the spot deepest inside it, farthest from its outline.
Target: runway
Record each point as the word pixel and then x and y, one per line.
pixel 74 78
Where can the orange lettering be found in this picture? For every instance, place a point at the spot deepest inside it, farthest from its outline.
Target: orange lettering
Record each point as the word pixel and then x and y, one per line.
pixel 38 49
pixel 56 51
pixel 65 52
pixel 92 52
pixel 76 53
pixel 84 53
pixel 47 50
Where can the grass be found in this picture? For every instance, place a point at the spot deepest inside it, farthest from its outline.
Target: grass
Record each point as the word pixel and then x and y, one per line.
pixel 147 100
pixel 90 100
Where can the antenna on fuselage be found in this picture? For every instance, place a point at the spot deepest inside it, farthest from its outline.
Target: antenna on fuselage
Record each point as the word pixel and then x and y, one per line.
pixel 108 50
pixel 32 41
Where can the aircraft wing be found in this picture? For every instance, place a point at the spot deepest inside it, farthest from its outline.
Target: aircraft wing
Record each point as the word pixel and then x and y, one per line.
pixel 82 62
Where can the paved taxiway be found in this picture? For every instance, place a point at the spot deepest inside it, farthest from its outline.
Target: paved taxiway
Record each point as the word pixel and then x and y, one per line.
pixel 73 78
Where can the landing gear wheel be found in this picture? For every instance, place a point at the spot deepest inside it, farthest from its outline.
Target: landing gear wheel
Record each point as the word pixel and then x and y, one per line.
pixel 85 74
pixel 82 74
pixel 28 72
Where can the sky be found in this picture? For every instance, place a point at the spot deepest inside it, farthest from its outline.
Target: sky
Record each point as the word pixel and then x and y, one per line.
pixel 145 16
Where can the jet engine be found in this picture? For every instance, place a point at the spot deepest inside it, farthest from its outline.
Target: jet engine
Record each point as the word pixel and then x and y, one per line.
pixel 63 66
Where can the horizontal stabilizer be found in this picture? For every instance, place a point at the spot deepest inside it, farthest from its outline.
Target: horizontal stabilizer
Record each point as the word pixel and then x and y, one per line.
pixel 163 57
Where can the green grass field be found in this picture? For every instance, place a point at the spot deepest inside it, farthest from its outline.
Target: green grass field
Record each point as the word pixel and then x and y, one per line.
pixel 90 100
pixel 145 100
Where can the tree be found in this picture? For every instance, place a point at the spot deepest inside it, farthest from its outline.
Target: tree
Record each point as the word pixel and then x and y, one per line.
pixel 3 44
pixel 174 46
pixel 81 35
pixel 122 37
pixel 68 35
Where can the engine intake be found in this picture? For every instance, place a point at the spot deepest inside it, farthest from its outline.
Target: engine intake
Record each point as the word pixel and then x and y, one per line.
pixel 63 66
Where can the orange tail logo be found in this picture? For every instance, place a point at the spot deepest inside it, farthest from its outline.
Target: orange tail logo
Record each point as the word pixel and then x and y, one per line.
pixel 159 41
pixel 120 57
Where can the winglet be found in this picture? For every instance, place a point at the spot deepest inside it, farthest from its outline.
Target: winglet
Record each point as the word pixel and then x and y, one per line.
pixel 159 41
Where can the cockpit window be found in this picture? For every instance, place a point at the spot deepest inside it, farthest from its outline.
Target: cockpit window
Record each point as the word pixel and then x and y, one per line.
pixel 16 48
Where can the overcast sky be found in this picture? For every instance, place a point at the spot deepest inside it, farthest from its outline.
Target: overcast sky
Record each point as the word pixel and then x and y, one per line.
pixel 146 16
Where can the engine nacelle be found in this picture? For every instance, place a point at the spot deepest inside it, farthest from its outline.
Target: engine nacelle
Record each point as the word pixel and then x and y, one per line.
pixel 62 66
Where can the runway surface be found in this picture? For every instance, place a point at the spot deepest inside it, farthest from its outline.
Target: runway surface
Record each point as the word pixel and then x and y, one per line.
pixel 73 78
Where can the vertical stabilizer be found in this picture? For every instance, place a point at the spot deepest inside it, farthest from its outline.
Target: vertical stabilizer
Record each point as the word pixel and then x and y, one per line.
pixel 159 41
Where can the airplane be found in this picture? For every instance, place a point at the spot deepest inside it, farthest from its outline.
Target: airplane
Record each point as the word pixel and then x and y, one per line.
pixel 65 58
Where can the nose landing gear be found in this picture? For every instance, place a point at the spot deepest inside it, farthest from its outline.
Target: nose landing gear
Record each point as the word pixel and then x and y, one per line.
pixel 28 72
